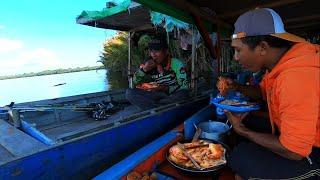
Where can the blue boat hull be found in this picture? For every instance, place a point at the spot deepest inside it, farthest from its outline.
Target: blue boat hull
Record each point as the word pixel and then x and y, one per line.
pixel 150 152
pixel 87 156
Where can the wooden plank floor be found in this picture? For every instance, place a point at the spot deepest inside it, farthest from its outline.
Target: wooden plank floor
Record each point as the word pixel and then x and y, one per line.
pixel 5 155
pixel 15 143
pixel 68 130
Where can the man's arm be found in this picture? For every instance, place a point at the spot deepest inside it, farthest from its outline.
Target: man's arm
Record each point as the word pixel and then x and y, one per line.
pixel 268 141
pixel 253 92
pixel 271 142
pixel 140 77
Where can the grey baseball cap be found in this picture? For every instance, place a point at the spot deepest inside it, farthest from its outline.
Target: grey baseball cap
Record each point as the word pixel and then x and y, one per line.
pixel 263 21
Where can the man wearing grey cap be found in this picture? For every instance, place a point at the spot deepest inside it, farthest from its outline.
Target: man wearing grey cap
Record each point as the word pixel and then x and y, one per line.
pixel 291 90
pixel 160 80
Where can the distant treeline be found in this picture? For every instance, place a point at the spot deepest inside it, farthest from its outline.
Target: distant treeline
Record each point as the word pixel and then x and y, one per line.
pixel 49 72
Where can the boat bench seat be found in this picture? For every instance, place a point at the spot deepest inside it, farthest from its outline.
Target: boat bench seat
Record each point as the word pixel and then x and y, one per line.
pixel 15 143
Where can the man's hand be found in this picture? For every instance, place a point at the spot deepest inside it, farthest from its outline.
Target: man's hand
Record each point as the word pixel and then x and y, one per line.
pixel 225 84
pixel 150 64
pixel 236 121
pixel 161 88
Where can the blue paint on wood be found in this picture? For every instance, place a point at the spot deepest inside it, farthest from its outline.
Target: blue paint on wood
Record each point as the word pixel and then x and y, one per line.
pixel 17 142
pixel 88 156
pixel 125 166
pixel 26 127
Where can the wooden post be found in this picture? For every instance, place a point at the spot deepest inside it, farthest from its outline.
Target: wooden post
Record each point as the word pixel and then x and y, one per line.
pixel 193 59
pixel 16 118
pixel 218 49
pixel 205 35
pixel 130 78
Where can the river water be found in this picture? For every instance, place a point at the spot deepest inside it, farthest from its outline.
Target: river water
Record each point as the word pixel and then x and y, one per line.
pixel 58 85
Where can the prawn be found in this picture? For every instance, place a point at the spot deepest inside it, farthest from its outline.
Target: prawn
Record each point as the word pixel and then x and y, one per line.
pixel 222 86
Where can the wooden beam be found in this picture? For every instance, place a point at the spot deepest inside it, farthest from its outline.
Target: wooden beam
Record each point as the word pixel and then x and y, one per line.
pixel 265 5
pixel 304 25
pixel 205 35
pixel 142 28
pixel 130 77
pixel 305 31
pixel 193 62
pixel 303 18
pixel 193 9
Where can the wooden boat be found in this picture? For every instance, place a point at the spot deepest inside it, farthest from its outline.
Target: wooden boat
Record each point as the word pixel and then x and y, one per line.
pixel 55 139
pixel 60 143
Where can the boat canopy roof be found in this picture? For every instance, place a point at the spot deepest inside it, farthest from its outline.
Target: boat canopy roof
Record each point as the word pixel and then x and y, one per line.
pixel 299 16
pixel 129 15
pixel 124 17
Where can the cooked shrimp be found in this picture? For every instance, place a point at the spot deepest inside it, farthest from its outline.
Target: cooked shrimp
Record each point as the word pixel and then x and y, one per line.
pixel 206 156
pixel 222 86
pixel 216 151
pixel 177 152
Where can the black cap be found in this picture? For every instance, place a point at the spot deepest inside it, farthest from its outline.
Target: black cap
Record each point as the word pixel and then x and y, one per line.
pixel 158 43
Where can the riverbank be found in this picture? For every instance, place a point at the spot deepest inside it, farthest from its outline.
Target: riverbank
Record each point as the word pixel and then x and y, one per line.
pixel 50 72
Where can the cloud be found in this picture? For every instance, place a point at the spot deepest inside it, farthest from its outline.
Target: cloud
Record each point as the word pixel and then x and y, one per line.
pixel 40 57
pixel 8 45
pixel 36 60
pixel 38 54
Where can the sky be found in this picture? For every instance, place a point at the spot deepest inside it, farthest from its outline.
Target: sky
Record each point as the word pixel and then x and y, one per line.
pixel 37 35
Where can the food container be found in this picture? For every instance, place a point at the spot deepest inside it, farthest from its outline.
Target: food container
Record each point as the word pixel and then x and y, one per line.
pixel 214 130
pixel 212 172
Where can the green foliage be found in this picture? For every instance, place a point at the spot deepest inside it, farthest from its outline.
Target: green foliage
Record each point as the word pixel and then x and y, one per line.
pixel 116 80
pixel 115 53
pixel 143 46
pixel 175 50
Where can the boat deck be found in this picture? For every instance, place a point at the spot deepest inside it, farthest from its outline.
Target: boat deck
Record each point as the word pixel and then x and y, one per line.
pixel 63 131
pixel 78 143
pixel 15 143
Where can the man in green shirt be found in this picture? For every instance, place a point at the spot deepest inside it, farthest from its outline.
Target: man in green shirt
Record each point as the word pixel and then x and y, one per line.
pixel 160 80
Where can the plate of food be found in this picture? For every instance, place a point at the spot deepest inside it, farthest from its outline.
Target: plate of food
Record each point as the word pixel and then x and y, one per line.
pixel 148 86
pixel 201 156
pixel 235 105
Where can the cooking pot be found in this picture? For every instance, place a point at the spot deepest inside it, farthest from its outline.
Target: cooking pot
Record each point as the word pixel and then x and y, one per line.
pixel 214 130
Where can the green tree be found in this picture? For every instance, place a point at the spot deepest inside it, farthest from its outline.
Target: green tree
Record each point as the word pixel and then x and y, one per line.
pixel 115 53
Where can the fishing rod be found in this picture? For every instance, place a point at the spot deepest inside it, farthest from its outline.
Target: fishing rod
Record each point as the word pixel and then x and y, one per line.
pixel 83 108
pixel 38 108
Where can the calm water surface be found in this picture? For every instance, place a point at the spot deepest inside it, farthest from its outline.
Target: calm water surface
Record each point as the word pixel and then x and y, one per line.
pixel 45 87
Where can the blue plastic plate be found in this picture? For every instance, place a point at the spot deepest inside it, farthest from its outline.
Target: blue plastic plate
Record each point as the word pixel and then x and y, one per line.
pixel 237 109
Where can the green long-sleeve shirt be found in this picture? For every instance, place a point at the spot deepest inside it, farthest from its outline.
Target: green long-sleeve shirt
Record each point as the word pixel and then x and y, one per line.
pixel 175 77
